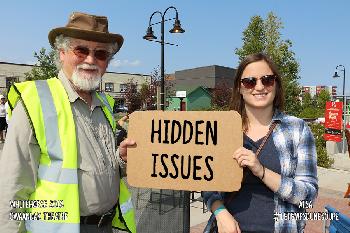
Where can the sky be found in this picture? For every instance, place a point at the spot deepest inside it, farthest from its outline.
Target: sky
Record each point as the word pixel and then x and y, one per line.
pixel 319 31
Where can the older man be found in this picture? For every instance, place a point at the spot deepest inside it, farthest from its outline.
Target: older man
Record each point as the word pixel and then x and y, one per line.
pixel 60 170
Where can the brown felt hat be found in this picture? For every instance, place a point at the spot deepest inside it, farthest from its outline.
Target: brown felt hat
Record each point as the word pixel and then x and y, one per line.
pixel 87 27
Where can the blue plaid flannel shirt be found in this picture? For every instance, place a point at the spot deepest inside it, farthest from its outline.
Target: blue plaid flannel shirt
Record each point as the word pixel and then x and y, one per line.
pixel 297 153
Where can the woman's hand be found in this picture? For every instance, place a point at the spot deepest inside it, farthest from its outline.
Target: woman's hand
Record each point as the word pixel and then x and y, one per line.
pixel 246 158
pixel 227 223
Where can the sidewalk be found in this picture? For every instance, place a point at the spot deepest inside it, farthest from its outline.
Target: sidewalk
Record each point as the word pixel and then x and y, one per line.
pixel 341 161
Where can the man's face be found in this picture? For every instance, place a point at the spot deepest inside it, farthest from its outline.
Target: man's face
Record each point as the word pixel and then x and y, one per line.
pixel 84 63
pixel 3 100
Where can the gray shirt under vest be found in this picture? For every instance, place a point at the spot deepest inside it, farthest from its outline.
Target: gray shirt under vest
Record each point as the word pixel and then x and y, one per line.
pixel 98 160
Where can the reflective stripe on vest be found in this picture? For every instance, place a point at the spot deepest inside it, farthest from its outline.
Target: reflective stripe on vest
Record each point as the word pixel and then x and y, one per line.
pixel 126 210
pixel 55 172
pixel 58 175
pixel 48 227
pixel 49 111
pixel 127 206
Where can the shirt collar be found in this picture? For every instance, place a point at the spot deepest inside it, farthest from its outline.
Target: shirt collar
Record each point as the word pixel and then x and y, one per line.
pixel 277 116
pixel 72 94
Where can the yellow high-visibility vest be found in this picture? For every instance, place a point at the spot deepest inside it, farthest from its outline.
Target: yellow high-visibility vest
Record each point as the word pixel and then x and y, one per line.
pixel 48 108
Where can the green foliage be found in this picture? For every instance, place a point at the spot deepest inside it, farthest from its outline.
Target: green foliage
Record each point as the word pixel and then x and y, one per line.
pixel 254 39
pixel 323 160
pixel 314 107
pixel 45 67
pixel 307 100
pixel 310 112
pixel 265 36
pixel 321 99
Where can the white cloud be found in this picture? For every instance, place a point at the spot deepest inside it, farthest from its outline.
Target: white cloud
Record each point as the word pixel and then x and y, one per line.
pixel 125 63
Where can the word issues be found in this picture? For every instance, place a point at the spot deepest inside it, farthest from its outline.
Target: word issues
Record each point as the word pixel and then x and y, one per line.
pixel 185 166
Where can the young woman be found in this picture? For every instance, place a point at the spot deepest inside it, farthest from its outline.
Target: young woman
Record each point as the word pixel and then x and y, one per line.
pixel 283 177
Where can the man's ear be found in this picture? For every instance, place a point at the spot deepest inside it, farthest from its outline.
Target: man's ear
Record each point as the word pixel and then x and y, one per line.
pixel 62 55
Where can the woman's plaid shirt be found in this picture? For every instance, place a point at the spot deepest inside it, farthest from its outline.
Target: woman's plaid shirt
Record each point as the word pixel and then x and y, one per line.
pixel 297 153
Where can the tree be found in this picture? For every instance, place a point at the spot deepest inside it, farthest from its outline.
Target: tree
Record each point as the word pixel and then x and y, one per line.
pixel 308 107
pixel 221 97
pixel 307 101
pixel 323 160
pixel 321 100
pixel 149 89
pixel 132 96
pixel 314 107
pixel 148 94
pixel 45 67
pixel 168 85
pixel 265 36
pixel 254 39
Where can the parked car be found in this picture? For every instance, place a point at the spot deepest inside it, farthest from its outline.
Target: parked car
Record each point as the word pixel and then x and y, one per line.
pixel 120 109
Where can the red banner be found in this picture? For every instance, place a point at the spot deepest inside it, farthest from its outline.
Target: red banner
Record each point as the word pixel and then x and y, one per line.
pixel 333 121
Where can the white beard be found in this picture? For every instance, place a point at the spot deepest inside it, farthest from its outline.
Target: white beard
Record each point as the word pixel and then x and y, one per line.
pixel 84 81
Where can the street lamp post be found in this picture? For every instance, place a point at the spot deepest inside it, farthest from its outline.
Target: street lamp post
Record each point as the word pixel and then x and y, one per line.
pixel 344 100
pixel 150 36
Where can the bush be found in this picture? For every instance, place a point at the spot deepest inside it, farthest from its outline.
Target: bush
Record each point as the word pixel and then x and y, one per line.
pixel 323 160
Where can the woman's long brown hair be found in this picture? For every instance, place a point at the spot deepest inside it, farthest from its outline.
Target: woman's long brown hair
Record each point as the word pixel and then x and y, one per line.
pixel 237 102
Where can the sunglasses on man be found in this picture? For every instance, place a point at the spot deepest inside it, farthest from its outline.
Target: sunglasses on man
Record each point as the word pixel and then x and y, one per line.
pixel 82 52
pixel 266 80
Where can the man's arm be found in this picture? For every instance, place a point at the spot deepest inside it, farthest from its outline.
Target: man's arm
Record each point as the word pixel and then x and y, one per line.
pixel 19 161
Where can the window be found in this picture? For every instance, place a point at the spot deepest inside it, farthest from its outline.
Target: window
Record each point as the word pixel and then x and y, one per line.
pixel 123 87
pixel 109 87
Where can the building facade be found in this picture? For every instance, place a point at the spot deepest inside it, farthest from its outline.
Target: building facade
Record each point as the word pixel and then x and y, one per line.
pixel 207 76
pixel 195 99
pixel 315 90
pixel 112 83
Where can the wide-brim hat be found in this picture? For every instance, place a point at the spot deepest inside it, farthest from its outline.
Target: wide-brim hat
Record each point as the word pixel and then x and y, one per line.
pixel 87 27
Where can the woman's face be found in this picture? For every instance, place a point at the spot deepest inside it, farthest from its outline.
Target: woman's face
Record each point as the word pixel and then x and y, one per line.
pixel 258 96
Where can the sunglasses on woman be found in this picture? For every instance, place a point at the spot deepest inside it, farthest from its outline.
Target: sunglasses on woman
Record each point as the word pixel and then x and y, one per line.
pixel 266 80
pixel 82 52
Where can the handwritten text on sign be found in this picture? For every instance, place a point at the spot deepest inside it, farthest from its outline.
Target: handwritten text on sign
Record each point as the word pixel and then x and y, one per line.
pixel 185 150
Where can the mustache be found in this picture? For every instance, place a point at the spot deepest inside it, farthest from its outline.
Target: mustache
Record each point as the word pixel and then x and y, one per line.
pixel 88 66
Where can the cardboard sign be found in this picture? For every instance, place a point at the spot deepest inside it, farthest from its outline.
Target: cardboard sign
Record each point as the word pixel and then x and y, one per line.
pixel 333 121
pixel 185 150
